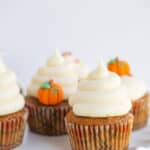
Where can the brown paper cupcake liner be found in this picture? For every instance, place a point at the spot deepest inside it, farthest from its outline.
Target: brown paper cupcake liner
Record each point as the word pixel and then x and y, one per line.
pixel 47 120
pixel 114 136
pixel 149 103
pixel 12 129
pixel 140 112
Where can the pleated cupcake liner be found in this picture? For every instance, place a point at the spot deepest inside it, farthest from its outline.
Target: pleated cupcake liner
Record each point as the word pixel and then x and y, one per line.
pixel 12 130
pixel 47 120
pixel 149 103
pixel 100 137
pixel 140 112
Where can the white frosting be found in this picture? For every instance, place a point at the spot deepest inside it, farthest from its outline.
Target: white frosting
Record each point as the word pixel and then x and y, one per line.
pixel 102 94
pixel 10 98
pixel 58 70
pixel 82 70
pixel 136 87
pixel 2 66
pixel 80 67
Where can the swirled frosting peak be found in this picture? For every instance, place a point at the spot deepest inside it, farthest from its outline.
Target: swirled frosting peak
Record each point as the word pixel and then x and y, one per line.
pixel 11 100
pixel 55 59
pixel 101 94
pixel 100 72
pixel 58 70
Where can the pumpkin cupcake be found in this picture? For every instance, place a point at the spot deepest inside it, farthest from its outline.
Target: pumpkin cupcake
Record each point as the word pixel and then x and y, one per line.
pixel 136 89
pixel 100 118
pixel 80 67
pixel 13 114
pixel 47 96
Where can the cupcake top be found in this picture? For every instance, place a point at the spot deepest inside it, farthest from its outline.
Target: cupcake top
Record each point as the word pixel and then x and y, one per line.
pixel 11 100
pixel 58 70
pixel 136 87
pixel 80 67
pixel 101 94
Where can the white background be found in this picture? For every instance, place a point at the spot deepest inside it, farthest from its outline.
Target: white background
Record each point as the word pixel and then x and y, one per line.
pixel 30 29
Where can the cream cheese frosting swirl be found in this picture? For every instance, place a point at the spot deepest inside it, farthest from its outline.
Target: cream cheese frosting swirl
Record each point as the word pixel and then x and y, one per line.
pixel 11 100
pixel 81 68
pixel 136 87
pixel 58 70
pixel 101 94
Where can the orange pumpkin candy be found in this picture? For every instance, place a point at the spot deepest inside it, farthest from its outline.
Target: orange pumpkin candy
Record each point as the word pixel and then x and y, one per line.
pixel 119 66
pixel 50 93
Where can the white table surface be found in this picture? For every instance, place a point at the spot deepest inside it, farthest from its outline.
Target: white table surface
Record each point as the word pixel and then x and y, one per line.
pixel 38 142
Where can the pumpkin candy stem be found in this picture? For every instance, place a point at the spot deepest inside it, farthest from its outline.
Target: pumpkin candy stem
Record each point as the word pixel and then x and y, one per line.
pixel 67 53
pixel 117 59
pixel 51 82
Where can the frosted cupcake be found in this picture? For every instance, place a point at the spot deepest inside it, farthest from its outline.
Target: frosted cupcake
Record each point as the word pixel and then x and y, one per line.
pixel 136 89
pixel 13 115
pixel 139 95
pixel 80 67
pixel 47 96
pixel 100 118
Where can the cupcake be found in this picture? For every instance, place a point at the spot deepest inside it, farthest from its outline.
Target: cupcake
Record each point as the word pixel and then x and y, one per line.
pixel 139 96
pixel 148 104
pixel 80 67
pixel 2 65
pixel 100 117
pixel 47 96
pixel 13 114
pixel 136 89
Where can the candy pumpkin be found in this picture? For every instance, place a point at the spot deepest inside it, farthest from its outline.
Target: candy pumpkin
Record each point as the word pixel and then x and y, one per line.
pixel 50 93
pixel 119 66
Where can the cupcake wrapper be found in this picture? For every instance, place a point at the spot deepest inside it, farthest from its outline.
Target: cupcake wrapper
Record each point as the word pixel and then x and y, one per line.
pixel 140 112
pixel 12 131
pixel 102 137
pixel 47 120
